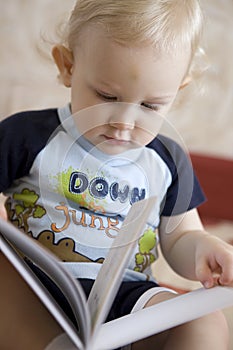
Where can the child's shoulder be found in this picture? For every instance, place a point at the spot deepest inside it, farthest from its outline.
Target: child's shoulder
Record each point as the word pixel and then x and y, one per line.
pixel 30 125
pixel 22 136
pixel 171 152
pixel 31 118
pixel 28 129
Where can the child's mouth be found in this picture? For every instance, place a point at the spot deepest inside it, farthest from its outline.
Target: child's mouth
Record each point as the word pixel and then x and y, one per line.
pixel 116 141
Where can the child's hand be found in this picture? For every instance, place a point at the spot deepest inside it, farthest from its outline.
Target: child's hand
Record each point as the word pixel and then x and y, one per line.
pixel 3 214
pixel 214 262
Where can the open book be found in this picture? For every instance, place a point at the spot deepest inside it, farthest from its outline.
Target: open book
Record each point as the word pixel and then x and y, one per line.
pixel 92 333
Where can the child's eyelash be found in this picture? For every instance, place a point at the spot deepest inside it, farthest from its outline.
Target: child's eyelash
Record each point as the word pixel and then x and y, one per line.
pixel 106 97
pixel 153 107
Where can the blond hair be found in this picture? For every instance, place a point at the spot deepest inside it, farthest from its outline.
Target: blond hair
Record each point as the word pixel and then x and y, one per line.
pixel 164 23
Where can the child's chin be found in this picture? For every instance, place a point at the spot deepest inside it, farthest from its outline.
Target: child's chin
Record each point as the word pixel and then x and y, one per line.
pixel 112 149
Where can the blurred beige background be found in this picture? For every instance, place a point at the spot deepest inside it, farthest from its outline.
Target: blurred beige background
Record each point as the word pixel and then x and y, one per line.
pixel 205 120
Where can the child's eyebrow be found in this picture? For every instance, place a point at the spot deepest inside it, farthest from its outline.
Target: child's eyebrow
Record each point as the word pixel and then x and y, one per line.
pixel 105 83
pixel 161 97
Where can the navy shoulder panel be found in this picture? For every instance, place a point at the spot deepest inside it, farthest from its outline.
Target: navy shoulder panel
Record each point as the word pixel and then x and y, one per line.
pixel 22 137
pixel 167 149
pixel 185 192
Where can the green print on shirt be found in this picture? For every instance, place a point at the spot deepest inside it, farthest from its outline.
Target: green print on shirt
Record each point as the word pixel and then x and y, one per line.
pixel 27 207
pixel 146 243
pixel 90 190
pixel 83 199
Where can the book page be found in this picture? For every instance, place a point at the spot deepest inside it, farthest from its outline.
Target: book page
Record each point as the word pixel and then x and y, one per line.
pixel 53 267
pixel 40 291
pixel 111 273
pixel 162 316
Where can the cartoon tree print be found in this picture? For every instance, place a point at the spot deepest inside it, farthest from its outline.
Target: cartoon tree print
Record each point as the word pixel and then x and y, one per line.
pixel 27 207
pixel 146 243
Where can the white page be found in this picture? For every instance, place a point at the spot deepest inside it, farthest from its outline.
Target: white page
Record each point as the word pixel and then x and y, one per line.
pixel 111 273
pixel 50 264
pixel 162 316
pixel 40 291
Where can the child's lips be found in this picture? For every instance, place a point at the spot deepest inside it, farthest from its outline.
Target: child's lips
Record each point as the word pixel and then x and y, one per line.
pixel 116 140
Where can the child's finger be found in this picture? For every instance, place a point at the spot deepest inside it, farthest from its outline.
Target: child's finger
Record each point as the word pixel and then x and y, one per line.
pixel 204 274
pixel 226 276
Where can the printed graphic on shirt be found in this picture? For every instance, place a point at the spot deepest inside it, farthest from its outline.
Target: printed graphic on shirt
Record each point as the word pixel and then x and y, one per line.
pixel 27 207
pixel 66 248
pixel 147 244
pixel 94 192
pixel 86 219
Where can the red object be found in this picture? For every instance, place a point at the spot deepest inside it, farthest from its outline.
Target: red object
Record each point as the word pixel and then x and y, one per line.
pixel 215 175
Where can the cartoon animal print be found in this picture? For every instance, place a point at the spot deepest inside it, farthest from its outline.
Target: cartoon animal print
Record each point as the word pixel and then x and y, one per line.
pixel 64 248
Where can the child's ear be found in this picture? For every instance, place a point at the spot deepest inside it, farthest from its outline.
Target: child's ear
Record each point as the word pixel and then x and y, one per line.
pixel 64 61
pixel 185 82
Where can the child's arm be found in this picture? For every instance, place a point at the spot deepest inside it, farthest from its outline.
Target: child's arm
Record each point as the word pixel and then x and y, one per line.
pixel 193 253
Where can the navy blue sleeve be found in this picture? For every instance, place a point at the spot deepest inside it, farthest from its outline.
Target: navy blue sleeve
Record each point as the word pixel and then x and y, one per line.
pixel 22 137
pixel 184 192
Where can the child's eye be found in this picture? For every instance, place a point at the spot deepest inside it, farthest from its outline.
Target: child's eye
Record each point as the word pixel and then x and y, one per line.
pixel 106 97
pixel 150 106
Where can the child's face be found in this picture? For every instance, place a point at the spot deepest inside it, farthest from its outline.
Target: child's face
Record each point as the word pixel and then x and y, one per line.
pixel 134 85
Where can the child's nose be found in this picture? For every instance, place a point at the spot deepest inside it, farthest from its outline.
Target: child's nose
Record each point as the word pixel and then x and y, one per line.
pixel 122 125
pixel 123 118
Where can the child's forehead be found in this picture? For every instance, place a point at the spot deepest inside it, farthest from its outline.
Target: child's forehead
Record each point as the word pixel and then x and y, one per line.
pixel 105 60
